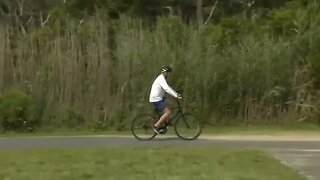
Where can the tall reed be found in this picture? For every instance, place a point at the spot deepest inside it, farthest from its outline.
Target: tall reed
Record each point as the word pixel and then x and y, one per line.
pixel 101 71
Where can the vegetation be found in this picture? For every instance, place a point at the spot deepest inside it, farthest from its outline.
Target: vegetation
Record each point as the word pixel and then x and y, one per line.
pixel 18 111
pixel 92 64
pixel 143 163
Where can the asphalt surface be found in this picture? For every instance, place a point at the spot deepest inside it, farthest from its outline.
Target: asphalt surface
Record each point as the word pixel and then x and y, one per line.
pixel 302 154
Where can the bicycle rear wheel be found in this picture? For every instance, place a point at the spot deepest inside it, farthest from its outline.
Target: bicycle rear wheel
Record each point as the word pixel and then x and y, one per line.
pixel 188 127
pixel 141 127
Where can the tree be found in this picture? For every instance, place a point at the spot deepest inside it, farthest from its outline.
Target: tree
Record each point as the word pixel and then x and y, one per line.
pixel 199 13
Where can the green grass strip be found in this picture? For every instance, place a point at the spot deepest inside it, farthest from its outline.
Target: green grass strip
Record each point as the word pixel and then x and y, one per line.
pixel 143 163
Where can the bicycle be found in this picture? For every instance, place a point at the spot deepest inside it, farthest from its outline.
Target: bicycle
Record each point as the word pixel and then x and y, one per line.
pixel 186 125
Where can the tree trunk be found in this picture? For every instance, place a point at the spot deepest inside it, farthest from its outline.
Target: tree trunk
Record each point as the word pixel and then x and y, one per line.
pixel 199 13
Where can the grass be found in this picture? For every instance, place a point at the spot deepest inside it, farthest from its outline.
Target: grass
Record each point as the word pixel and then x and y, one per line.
pixel 143 163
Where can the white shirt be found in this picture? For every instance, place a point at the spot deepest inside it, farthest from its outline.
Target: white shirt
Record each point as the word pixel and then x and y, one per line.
pixel 159 88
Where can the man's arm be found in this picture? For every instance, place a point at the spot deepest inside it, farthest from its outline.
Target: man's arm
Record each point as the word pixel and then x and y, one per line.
pixel 163 83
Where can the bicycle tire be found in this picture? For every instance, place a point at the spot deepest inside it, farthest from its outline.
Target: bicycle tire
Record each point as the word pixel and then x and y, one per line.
pixel 188 126
pixel 141 127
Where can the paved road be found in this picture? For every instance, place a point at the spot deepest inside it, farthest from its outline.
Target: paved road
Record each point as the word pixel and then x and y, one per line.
pixel 300 153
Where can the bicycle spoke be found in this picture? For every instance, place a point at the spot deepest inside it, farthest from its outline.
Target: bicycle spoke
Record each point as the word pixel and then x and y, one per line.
pixel 188 127
pixel 141 127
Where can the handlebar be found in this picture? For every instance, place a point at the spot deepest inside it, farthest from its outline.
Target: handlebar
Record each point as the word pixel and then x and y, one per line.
pixel 179 106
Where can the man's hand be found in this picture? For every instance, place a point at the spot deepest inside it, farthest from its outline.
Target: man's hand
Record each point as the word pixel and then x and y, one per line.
pixel 179 97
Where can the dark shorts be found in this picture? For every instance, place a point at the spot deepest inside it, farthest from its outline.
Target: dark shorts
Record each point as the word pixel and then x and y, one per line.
pixel 160 105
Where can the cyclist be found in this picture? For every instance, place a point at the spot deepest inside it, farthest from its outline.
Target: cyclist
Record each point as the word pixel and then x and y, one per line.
pixel 158 90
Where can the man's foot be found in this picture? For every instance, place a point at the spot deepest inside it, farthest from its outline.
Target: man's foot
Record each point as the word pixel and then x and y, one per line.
pixel 158 130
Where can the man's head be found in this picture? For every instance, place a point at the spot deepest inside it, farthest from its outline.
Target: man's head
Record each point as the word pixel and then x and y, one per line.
pixel 166 70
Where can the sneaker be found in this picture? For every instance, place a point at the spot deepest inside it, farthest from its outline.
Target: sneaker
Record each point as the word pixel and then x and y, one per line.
pixel 157 130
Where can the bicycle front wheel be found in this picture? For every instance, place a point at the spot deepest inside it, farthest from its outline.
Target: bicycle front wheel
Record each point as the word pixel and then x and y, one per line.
pixel 188 127
pixel 141 127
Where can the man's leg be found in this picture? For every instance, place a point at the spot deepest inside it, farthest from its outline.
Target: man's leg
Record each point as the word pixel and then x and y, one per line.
pixel 165 116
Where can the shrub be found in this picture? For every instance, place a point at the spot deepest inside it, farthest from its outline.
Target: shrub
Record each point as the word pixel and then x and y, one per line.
pixel 18 112
pixel 72 119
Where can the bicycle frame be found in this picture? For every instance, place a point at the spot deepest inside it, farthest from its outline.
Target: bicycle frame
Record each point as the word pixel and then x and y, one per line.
pixel 177 114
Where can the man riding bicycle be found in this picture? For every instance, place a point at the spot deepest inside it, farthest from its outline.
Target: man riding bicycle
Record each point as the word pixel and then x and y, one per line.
pixel 158 90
